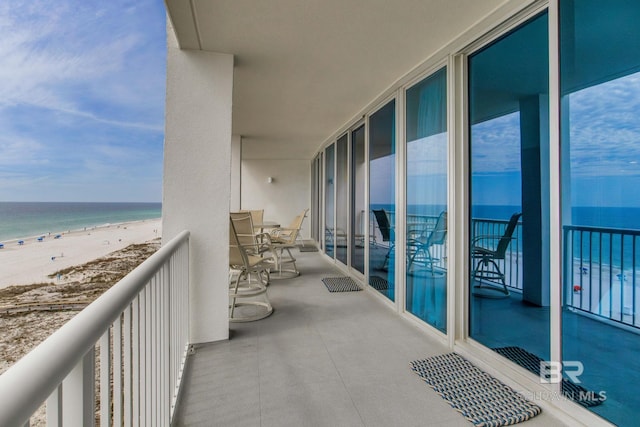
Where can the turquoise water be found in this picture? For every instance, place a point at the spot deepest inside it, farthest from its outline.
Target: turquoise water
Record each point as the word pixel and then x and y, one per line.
pixel 27 219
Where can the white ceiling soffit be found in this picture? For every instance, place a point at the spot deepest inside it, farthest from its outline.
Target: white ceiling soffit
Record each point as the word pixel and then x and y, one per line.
pixel 305 68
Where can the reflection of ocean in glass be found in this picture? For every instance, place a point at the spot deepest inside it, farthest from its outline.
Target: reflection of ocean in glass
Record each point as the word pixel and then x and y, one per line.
pixel 27 219
pixel 582 216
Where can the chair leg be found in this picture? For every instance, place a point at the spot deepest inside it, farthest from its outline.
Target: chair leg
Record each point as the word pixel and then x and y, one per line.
pixel 482 271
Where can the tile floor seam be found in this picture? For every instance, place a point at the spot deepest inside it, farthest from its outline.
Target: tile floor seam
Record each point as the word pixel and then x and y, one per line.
pixel 324 344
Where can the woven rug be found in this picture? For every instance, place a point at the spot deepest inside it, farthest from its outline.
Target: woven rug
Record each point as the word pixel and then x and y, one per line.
pixel 531 362
pixel 340 284
pixel 480 398
pixel 378 283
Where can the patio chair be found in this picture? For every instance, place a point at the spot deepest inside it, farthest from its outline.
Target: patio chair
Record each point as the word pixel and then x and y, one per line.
pixel 284 239
pixel 425 240
pixel 387 232
pixel 254 243
pixel 257 217
pixel 485 252
pixel 243 291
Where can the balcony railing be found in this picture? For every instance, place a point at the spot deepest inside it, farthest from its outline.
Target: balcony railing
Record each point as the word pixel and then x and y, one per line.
pixel 600 272
pixel 511 266
pixel 140 327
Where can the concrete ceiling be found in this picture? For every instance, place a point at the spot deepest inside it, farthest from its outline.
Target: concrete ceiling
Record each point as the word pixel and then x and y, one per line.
pixel 304 68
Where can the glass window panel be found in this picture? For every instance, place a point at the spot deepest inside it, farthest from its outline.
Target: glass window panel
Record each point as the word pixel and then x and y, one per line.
pixel 426 222
pixel 342 199
pixel 329 189
pixel 509 157
pixel 382 183
pixel 600 143
pixel 359 217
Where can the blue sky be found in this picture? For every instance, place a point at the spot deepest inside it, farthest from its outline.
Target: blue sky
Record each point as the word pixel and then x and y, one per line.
pixel 82 90
pixel 603 159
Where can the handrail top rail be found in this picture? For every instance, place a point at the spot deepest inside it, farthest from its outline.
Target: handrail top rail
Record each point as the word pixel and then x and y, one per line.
pixel 30 381
pixel 610 230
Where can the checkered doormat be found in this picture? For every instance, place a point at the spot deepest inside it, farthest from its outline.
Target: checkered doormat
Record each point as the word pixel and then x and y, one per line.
pixel 341 284
pixel 378 283
pixel 479 397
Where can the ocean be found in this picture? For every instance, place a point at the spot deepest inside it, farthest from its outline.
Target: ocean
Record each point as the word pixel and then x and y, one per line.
pixel 28 219
pixel 584 216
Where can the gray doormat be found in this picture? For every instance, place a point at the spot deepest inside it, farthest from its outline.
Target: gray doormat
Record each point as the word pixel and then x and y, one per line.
pixel 479 397
pixel 378 283
pixel 341 284
pixel 307 248
pixel 531 362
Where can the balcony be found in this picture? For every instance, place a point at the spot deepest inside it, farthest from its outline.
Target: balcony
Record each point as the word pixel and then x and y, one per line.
pixel 320 359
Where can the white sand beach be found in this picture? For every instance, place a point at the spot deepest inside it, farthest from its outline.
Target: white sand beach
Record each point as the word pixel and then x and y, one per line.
pixel 32 261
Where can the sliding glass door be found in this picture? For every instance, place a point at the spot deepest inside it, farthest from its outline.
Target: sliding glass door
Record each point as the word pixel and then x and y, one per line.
pixel 600 122
pixel 509 193
pixel 359 217
pixel 426 196
pixel 342 199
pixel 329 198
pixel 382 196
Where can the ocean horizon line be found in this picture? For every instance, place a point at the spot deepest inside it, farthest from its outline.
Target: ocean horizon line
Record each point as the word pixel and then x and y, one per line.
pixel 21 219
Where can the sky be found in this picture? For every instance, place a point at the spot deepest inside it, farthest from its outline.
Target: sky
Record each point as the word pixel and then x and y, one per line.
pixel 82 91
pixel 602 158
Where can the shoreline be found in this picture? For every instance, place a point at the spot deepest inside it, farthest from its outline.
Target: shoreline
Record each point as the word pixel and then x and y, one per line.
pixel 11 240
pixel 34 260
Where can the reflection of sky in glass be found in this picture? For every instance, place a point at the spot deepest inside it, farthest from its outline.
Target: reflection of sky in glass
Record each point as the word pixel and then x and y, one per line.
pixel 427 171
pixel 495 161
pixel 496 145
pixel 605 143
pixel 604 153
pixel 382 181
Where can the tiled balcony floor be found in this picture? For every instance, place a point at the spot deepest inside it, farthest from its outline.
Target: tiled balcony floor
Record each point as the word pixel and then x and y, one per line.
pixel 321 359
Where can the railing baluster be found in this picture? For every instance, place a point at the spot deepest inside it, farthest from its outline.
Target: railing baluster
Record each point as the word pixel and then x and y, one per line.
pixel 78 395
pixel 117 371
pixel 135 340
pixel 143 358
pixel 622 278
pixel 105 379
pixel 633 280
pixel 127 362
pixel 54 408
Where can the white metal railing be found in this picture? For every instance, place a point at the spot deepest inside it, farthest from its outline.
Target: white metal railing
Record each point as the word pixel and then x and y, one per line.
pixel 141 328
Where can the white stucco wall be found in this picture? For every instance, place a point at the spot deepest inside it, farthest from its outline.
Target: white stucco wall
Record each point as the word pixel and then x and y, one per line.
pixel 236 157
pixel 285 197
pixel 197 170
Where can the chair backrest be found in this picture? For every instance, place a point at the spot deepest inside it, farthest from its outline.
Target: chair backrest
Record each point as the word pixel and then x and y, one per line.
pixel 243 223
pixel 501 248
pixel 383 224
pixel 237 256
pixel 296 226
pixel 257 216
pixel 438 235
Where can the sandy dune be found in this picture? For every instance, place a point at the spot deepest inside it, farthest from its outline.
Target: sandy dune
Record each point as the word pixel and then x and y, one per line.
pixel 32 261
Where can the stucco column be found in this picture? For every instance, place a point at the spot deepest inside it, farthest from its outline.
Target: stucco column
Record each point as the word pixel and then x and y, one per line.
pixel 197 179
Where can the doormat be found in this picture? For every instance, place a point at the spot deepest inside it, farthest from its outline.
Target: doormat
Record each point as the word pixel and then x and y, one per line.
pixel 480 398
pixel 307 248
pixel 378 283
pixel 531 362
pixel 341 284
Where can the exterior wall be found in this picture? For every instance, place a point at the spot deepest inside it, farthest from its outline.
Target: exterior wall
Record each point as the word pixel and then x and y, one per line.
pixel 285 197
pixel 236 158
pixel 197 178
